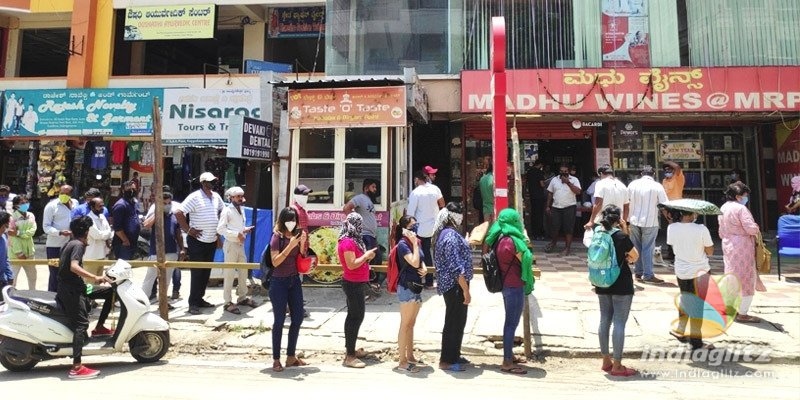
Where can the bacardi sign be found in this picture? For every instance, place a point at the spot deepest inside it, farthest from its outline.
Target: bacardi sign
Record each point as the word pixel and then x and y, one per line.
pixel 638 90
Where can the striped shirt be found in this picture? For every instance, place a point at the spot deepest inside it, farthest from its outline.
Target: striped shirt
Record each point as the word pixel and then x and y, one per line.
pixel 203 213
pixel 644 195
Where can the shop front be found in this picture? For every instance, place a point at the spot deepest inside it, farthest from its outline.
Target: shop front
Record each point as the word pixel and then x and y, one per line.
pixel 341 136
pixel 713 121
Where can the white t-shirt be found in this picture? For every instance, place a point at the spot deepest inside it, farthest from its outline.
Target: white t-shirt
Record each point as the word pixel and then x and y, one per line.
pixel 612 191
pixel 423 205
pixel 688 241
pixel 644 195
pixel 563 196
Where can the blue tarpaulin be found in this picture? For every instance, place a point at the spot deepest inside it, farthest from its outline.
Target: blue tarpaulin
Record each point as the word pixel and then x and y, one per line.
pixel 261 234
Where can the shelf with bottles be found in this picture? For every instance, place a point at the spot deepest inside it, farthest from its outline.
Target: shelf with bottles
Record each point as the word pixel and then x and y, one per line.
pixel 635 144
pixel 714 143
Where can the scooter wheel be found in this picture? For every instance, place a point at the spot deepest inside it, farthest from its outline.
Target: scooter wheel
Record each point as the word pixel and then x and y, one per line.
pixel 17 364
pixel 149 346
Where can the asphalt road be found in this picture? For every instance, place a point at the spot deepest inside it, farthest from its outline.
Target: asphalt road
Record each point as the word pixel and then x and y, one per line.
pixel 182 377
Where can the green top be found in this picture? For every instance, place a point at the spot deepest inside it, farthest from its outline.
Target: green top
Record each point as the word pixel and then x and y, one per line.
pixel 22 243
pixel 509 224
pixel 486 185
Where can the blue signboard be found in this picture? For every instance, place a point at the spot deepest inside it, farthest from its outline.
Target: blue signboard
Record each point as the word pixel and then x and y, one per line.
pixel 78 112
pixel 256 66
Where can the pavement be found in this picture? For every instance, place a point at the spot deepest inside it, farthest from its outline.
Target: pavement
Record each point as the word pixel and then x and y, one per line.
pixel 564 317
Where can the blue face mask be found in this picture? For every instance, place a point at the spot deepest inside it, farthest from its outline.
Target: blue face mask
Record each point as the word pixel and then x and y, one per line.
pixel 414 228
pixel 23 208
pixel 744 200
pixel 668 174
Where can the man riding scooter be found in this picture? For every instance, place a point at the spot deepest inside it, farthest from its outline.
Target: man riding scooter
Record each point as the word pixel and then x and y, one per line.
pixel 74 296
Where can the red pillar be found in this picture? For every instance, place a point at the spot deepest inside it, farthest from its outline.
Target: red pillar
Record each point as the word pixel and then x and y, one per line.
pixel 499 134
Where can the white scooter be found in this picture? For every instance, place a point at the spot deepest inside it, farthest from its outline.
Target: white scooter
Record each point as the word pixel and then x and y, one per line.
pixel 34 328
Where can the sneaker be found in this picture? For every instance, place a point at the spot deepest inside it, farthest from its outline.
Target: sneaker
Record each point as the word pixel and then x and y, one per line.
pixel 83 372
pixel 205 304
pixel 102 331
pixel 652 280
pixel 194 310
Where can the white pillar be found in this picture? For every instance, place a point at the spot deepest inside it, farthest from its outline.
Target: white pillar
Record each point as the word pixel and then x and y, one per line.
pixel 254 39
pixel 14 49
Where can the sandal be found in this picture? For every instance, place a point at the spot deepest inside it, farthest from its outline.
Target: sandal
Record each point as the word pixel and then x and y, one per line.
pixel 520 360
pixel 453 367
pixel 514 370
pixel 296 363
pixel 409 369
pixel 231 308
pixel 747 319
pixel 248 302
pixel 276 366
pixel 354 363
pixel 625 372
pixel 361 353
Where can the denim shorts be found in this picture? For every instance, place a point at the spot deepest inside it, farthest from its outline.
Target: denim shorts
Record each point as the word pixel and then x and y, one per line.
pixel 405 295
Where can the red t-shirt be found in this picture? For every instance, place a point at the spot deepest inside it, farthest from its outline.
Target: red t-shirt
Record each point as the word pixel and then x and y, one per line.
pixel 360 274
pixel 118 152
pixel 510 266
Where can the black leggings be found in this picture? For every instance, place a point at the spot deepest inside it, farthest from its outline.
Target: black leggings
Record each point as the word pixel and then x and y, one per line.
pixel 76 305
pixel 687 288
pixel 455 319
pixel 356 307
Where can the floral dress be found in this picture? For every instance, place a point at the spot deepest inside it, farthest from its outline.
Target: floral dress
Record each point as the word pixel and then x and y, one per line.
pixel 452 257
pixel 738 231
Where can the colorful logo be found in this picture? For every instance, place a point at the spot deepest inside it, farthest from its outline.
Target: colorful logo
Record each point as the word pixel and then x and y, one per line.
pixel 711 309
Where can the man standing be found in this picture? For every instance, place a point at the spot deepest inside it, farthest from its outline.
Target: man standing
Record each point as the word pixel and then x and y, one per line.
pixel 300 201
pixel 55 222
pixel 364 205
pixel 203 206
pixel 561 206
pixel 173 242
pixel 126 223
pixel 233 226
pixel 73 295
pixel 534 178
pixel 608 190
pixel 673 180
pixel 5 198
pixel 424 204
pixel 6 276
pixel 644 195
pixel 100 234
pixel 486 185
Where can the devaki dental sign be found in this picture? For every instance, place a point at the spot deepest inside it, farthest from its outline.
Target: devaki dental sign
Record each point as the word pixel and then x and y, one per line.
pixel 249 138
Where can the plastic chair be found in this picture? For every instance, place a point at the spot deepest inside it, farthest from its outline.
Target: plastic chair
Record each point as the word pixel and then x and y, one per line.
pixel 788 238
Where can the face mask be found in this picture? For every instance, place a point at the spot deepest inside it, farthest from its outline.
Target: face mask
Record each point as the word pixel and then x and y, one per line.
pixel 23 208
pixel 668 174
pixel 97 212
pixel 414 227
pixel 129 194
pixel 744 200
pixel 64 198
pixel 168 208
pixel 290 225
pixel 457 218
pixel 564 173
pixel 734 177
pixel 208 186
pixel 3 199
pixel 301 200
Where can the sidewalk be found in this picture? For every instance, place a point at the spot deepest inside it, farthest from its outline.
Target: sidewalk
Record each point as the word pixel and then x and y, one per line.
pixel 564 317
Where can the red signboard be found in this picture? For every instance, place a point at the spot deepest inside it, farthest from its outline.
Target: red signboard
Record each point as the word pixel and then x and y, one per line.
pixel 638 90
pixel 347 107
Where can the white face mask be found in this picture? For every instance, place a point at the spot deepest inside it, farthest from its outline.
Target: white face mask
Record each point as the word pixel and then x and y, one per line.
pixel 457 218
pixel 290 225
pixel 301 200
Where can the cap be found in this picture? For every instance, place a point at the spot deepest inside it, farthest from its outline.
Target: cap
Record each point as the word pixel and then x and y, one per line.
pixel 166 189
pixel 207 177
pixel 647 170
pixel 235 191
pixel 166 195
pixel 302 189
pixel 605 169
pixel 429 170
pixel 5 188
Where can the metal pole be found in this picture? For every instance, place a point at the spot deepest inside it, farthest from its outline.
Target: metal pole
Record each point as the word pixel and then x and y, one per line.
pixel 499 135
pixel 158 227
pixel 526 310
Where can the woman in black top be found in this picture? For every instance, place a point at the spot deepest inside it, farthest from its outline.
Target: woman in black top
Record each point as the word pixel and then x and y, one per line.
pixel 615 300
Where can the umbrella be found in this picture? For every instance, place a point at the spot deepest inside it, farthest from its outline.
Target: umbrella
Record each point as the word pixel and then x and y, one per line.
pixel 692 205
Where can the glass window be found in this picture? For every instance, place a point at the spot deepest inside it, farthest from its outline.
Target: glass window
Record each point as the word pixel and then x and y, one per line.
pixel 319 178
pixel 354 175
pixel 362 143
pixel 43 52
pixel 317 143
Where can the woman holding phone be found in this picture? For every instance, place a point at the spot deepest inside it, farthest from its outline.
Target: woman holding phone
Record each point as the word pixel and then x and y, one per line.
pixel 354 257
pixel 285 288
pixel 409 290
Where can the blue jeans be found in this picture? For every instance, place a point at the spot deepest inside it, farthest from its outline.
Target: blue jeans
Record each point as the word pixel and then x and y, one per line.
pixel 283 291
pixel 427 256
pixel 613 308
pixel 644 240
pixel 512 299
pixel 52 281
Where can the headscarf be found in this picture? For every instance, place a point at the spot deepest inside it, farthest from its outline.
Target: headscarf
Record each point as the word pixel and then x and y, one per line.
pixel 509 224
pixel 445 219
pixel 796 183
pixel 351 228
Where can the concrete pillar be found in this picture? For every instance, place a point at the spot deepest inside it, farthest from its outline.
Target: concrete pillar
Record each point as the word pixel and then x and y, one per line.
pixel 84 22
pixel 254 40
pixel 137 57
pixel 13 50
pixel 103 44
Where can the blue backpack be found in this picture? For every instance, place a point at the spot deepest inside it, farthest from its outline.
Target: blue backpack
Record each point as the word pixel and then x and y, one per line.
pixel 602 258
